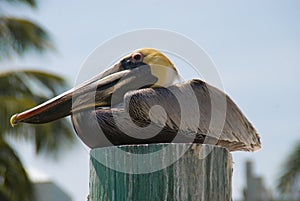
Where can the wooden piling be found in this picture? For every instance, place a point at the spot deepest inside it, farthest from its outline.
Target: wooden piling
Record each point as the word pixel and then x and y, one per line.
pixel 190 172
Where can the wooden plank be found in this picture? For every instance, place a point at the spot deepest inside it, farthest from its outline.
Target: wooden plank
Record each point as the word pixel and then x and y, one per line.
pixel 199 173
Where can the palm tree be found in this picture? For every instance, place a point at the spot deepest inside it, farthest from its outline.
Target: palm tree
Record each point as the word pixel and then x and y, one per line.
pixel 287 182
pixel 20 90
pixel 18 35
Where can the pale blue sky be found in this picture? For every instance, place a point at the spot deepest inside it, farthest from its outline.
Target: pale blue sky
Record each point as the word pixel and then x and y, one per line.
pixel 254 44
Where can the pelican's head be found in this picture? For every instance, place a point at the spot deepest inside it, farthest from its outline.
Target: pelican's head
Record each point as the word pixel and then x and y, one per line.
pixel 160 65
pixel 146 65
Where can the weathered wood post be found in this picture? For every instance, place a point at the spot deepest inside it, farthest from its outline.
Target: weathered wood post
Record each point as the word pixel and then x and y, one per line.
pixel 176 172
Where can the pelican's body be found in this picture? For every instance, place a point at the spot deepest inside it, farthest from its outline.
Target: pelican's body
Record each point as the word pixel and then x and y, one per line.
pixel 116 107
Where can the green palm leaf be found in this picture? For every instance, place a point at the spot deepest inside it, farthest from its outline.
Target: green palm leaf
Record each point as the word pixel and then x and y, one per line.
pixel 14 182
pixel 19 36
pixel 20 90
pixel 31 3
pixel 289 173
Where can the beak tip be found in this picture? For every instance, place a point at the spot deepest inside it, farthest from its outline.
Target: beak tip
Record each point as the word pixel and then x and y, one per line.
pixel 13 120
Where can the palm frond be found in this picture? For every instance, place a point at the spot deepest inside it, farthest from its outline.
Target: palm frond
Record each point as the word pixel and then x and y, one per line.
pixel 19 36
pixel 31 3
pixel 53 133
pixel 289 172
pixel 20 90
pixel 15 184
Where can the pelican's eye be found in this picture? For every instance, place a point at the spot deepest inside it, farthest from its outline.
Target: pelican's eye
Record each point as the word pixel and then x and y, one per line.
pixel 137 57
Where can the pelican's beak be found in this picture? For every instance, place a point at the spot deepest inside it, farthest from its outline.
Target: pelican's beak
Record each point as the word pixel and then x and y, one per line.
pixel 96 92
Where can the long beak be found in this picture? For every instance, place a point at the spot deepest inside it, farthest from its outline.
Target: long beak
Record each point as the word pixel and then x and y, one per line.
pixel 96 92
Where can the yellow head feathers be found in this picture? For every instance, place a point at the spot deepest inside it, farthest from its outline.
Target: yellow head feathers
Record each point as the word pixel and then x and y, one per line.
pixel 160 65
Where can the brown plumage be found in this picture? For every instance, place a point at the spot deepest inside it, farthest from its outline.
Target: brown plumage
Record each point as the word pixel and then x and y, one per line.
pixel 237 133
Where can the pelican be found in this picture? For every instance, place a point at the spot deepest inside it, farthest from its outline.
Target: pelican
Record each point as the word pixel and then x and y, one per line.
pixel 116 107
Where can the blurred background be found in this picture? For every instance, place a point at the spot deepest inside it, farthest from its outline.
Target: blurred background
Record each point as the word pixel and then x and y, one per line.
pixel 254 44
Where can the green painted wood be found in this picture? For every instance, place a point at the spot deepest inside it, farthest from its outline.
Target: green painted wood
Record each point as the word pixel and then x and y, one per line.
pixel 202 173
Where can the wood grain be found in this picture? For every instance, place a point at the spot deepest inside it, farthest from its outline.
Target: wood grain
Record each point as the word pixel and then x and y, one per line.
pixel 202 173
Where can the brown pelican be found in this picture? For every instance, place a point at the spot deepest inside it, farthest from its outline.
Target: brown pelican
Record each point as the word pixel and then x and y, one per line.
pixel 119 106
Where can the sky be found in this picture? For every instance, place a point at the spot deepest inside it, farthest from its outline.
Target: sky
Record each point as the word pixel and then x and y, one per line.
pixel 254 44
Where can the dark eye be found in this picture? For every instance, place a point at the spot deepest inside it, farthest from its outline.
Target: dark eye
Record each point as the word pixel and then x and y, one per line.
pixel 137 57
